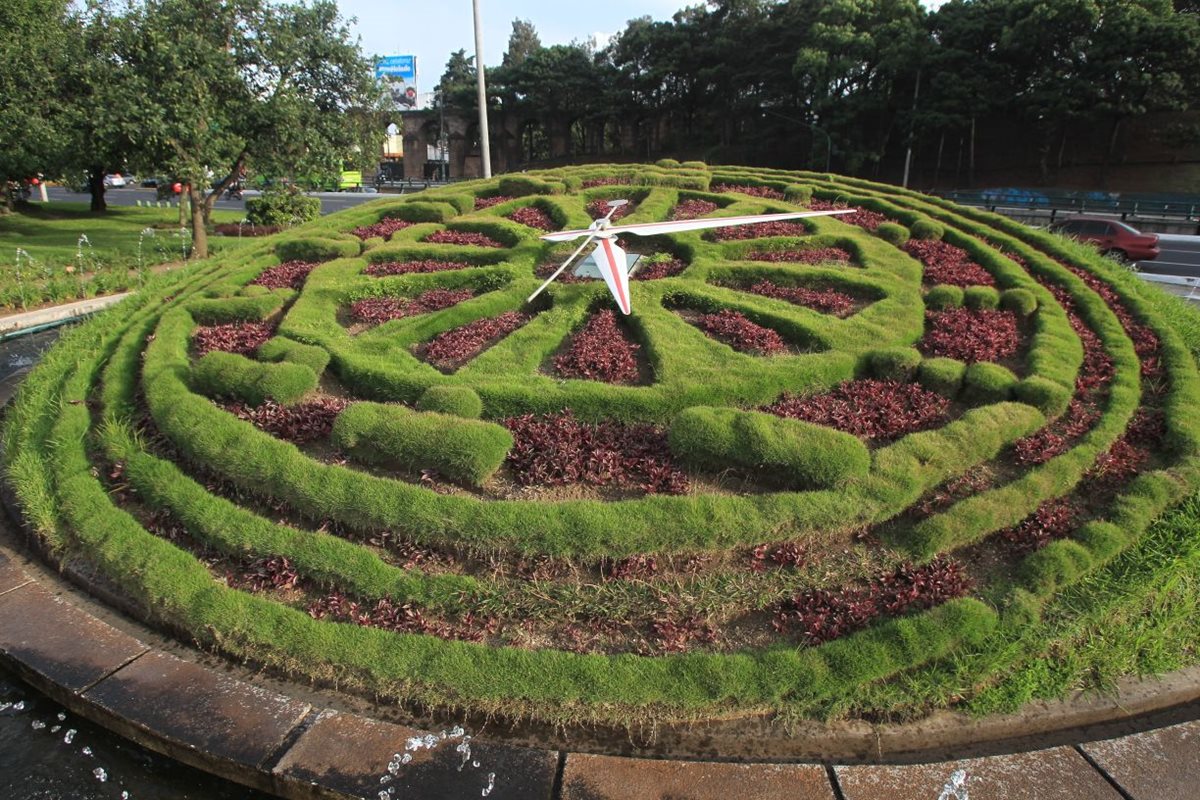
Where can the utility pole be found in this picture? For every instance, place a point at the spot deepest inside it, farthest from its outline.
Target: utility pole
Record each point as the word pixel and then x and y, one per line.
pixel 912 125
pixel 485 147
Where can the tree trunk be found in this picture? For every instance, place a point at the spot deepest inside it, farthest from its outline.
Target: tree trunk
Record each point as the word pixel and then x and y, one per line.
pixel 199 233
pixel 96 188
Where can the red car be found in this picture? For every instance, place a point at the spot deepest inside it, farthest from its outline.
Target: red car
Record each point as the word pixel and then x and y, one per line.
pixel 1114 238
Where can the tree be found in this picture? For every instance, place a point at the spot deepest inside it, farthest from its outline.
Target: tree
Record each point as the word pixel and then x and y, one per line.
pixel 234 83
pixel 522 43
pixel 33 37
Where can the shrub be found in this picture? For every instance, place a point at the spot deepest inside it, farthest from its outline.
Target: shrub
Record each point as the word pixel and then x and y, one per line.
pixel 981 297
pixel 1045 395
pixel 282 349
pixel 459 401
pixel 468 451
pixel 987 383
pixel 782 451
pixel 944 296
pixel 1021 302
pixel 942 375
pixel 233 376
pixel 927 229
pixel 523 185
pixel 894 363
pixel 282 206
pixel 216 311
pixel 667 163
pixel 316 250
pixel 798 194
pixel 893 233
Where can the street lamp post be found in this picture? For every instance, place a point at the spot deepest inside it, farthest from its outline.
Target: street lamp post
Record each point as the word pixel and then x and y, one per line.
pixel 484 139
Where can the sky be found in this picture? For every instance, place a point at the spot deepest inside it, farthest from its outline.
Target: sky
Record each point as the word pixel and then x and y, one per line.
pixel 433 30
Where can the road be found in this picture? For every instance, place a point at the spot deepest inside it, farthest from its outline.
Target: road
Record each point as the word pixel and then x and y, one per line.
pixel 330 201
pixel 1178 255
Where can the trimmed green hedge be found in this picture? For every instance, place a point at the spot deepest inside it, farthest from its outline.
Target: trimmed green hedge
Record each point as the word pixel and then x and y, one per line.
pixel 780 451
pixel 230 375
pixel 462 450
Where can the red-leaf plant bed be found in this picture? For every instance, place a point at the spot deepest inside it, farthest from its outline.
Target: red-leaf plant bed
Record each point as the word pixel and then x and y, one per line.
pixel 533 217
pixel 377 310
pixel 242 338
pixel 971 335
pixel 805 255
pixel 820 615
pixel 450 350
pixel 600 351
pixel 597 209
pixel 765 192
pixel 473 238
pixel 869 409
pixel 288 275
pixel 396 616
pixel 298 424
pixel 487 202
pixel 1057 438
pixel 691 209
pixel 1054 519
pixel 827 301
pixel 557 449
pixel 385 228
pixel 732 328
pixel 759 230
pixel 410 267
pixel 945 263
pixel 658 268
pixel 862 217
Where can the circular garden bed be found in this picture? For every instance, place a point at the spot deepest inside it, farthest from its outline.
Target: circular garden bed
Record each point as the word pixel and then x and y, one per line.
pixel 910 458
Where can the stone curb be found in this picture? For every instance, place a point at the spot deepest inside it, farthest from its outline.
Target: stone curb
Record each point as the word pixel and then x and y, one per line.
pixel 229 722
pixel 15 323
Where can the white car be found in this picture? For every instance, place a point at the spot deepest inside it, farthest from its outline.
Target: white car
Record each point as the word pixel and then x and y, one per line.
pixel 114 181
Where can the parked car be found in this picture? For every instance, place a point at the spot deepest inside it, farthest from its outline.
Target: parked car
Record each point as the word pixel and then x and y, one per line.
pixel 114 181
pixel 1114 238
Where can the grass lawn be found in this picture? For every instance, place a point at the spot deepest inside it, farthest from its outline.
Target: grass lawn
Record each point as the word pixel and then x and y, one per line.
pixel 44 259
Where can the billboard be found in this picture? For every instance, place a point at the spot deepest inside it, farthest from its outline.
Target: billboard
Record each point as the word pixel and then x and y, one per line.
pixel 400 75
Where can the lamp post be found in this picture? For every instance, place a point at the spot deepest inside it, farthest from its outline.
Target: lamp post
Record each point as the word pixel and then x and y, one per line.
pixel 484 139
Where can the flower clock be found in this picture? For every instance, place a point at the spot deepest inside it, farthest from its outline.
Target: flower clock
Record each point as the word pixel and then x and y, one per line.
pixel 867 463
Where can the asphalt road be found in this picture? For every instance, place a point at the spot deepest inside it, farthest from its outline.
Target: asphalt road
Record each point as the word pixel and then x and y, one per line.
pixel 330 201
pixel 1178 255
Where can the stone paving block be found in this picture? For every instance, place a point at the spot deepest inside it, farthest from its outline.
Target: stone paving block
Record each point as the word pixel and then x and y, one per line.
pixel 588 777
pixel 11 575
pixel 1059 773
pixel 1163 764
pixel 199 709
pixel 59 642
pixel 349 755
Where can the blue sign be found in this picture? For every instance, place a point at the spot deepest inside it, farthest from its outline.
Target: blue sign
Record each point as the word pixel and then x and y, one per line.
pixel 402 67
